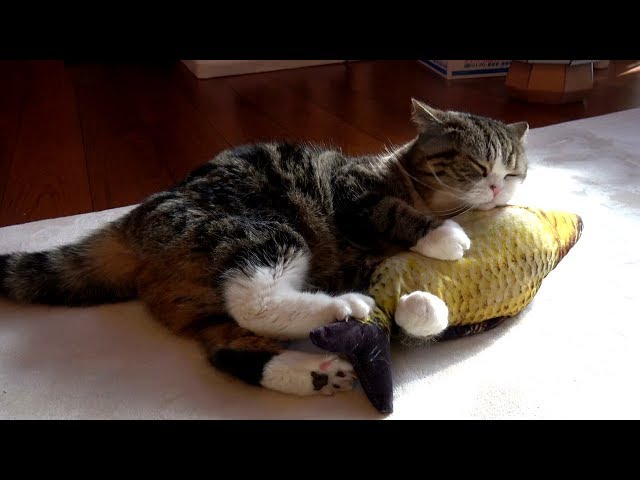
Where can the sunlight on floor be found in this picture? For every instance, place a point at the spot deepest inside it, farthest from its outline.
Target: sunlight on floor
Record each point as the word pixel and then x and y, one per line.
pixel 632 68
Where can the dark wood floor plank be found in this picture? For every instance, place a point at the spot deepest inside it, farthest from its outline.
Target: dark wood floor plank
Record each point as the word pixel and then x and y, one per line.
pixel 183 137
pixel 123 163
pixel 330 88
pixel 616 88
pixel 397 82
pixel 48 176
pixel 304 119
pixel 12 95
pixel 232 115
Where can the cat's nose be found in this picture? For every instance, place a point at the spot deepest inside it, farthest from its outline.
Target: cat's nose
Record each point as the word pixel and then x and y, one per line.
pixel 496 190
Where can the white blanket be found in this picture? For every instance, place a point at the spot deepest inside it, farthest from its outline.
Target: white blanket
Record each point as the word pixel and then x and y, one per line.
pixel 574 352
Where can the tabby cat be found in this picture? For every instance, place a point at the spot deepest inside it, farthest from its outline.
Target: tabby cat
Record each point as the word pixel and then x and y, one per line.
pixel 268 241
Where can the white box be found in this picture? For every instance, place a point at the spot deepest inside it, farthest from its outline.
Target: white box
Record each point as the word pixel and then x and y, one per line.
pixel 223 68
pixel 453 69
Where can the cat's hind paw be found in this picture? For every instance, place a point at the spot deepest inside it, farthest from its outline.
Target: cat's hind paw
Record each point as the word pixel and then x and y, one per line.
pixel 422 314
pixel 304 374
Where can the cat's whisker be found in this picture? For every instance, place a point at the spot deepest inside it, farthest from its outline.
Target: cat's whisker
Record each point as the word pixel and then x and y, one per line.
pixel 469 207
pixel 465 207
pixel 460 192
pixel 454 209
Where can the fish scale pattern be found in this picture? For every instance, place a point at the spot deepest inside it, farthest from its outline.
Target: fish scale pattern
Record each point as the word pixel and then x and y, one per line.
pixel 513 248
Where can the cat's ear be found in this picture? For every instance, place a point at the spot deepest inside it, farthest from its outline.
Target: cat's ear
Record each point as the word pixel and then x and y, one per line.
pixel 520 129
pixel 426 117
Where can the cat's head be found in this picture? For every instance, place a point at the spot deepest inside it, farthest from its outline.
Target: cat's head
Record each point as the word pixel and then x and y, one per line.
pixel 465 161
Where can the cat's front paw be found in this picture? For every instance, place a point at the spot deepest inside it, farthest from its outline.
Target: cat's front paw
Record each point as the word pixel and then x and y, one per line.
pixel 353 305
pixel 447 242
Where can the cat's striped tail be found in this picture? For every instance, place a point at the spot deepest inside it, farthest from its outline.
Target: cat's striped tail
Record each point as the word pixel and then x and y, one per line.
pixel 100 268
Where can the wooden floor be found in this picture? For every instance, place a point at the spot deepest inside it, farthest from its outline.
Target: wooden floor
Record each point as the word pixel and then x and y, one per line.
pixel 77 138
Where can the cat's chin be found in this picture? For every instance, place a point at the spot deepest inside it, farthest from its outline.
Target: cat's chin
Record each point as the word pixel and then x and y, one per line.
pixel 487 206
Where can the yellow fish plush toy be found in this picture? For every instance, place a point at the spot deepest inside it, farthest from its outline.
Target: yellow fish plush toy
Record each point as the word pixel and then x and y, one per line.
pixel 513 248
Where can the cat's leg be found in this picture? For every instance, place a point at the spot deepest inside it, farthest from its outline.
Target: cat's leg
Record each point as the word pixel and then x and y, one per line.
pixel 447 242
pixel 262 361
pixel 421 315
pixel 254 359
pixel 378 216
pixel 257 277
pixel 267 293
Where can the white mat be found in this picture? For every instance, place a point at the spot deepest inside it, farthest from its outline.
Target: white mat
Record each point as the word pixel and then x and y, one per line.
pixel 574 353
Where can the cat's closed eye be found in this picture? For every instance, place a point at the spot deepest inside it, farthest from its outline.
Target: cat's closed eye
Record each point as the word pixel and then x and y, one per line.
pixel 479 167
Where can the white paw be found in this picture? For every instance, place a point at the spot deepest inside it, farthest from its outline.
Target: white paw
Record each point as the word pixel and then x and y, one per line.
pixel 422 314
pixel 447 242
pixel 301 373
pixel 355 305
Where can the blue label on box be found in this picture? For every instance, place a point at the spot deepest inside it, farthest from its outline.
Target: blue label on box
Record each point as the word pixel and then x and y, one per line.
pixel 473 67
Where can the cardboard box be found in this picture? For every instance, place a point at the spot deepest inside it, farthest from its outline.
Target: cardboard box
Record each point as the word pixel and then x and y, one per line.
pixel 453 69
pixel 558 62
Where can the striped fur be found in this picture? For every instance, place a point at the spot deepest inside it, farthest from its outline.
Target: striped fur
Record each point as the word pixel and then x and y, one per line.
pixel 262 206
